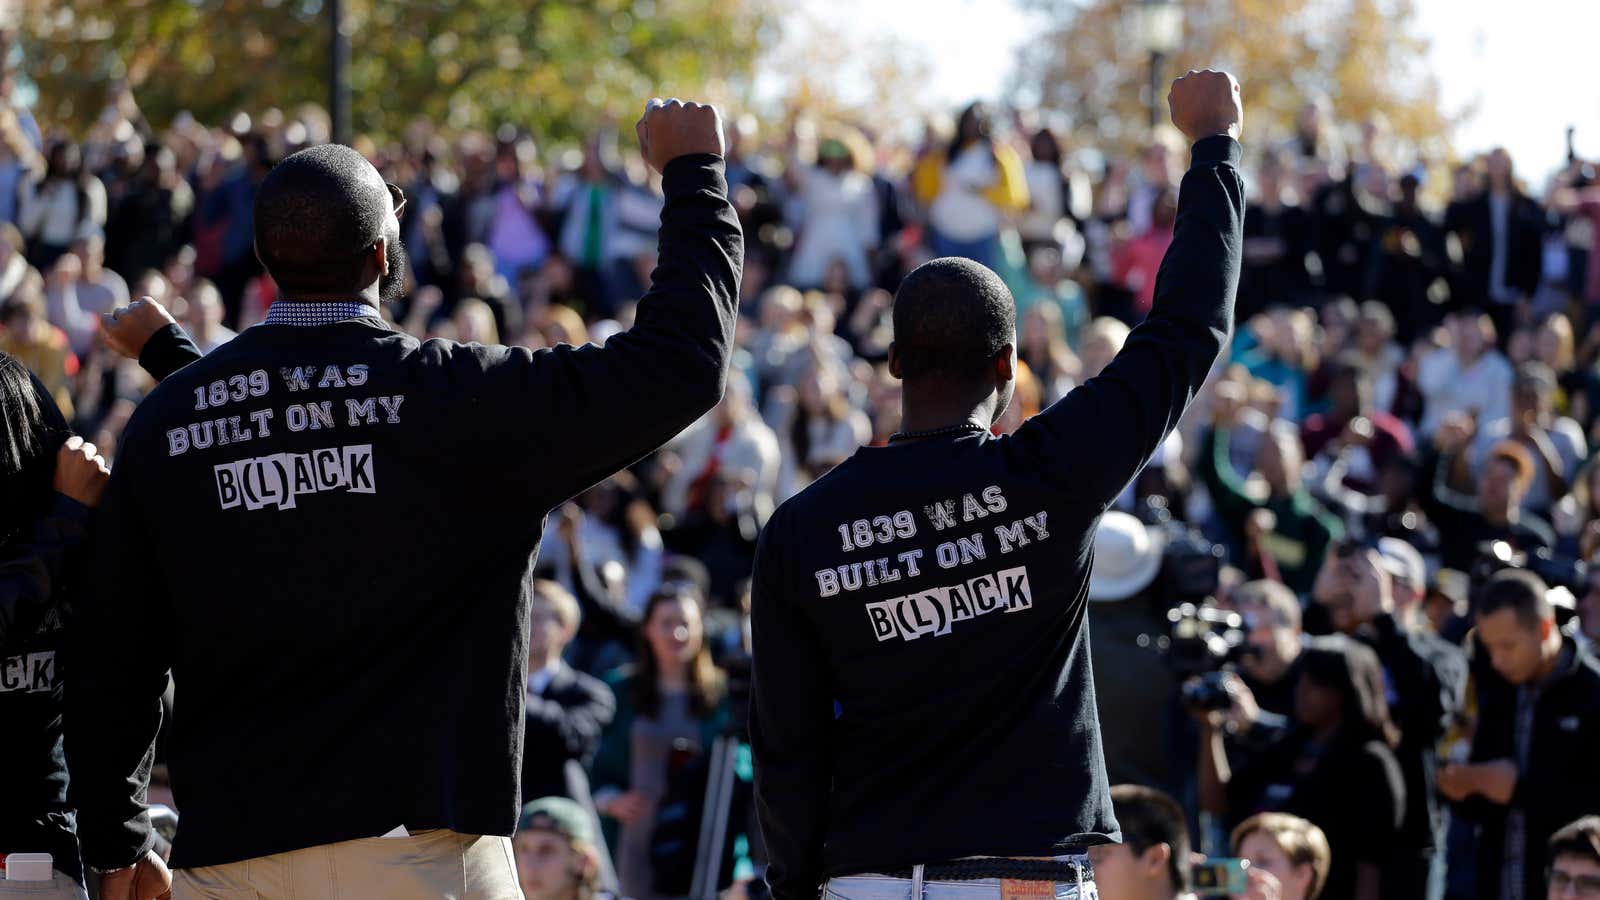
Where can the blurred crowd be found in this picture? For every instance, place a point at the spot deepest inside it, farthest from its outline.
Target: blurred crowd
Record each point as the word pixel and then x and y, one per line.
pixel 1379 512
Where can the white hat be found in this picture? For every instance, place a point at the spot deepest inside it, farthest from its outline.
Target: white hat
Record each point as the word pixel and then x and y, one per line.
pixel 1403 561
pixel 1127 557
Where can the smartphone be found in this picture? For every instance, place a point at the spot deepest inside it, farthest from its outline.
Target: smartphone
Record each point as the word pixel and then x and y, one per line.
pixel 1220 877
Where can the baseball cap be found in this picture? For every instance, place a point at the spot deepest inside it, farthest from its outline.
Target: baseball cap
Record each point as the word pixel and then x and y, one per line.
pixel 560 815
pixel 1403 561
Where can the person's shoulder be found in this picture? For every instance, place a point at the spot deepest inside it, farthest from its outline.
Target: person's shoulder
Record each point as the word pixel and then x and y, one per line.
pixel 1538 528
pixel 619 679
pixel 586 682
pixel 820 492
pixel 1438 651
pixel 1586 665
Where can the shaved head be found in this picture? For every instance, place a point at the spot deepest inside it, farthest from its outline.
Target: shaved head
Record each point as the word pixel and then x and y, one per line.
pixel 319 216
pixel 952 316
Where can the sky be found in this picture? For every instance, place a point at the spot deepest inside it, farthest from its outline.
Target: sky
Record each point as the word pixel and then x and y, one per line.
pixel 1528 67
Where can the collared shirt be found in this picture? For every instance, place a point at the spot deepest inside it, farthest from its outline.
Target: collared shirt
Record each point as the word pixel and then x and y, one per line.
pixel 539 680
pixel 288 312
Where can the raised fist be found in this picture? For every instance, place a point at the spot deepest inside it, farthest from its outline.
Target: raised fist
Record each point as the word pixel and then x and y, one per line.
pixel 671 128
pixel 1205 103
pixel 127 329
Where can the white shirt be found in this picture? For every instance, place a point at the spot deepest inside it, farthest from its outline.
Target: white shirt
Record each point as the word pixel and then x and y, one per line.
pixel 1448 386
pixel 961 212
pixel 1045 195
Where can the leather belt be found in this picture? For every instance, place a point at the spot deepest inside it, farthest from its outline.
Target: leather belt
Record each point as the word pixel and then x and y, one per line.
pixel 1052 870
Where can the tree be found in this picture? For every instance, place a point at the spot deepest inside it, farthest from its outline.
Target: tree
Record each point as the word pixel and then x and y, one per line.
pixel 1362 55
pixel 555 67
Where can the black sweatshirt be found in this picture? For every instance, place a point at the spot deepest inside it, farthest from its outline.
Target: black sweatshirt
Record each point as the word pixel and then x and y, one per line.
pixel 168 350
pixel 922 681
pixel 323 533
pixel 34 814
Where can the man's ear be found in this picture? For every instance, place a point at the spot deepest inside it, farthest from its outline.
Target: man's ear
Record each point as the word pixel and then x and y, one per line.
pixel 382 250
pixel 894 361
pixel 1005 364
pixel 1154 859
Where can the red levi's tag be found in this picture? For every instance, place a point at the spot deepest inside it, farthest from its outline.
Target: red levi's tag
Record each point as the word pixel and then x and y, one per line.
pixel 1015 889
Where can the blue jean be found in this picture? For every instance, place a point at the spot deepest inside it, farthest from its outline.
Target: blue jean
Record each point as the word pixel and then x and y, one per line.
pixel 882 887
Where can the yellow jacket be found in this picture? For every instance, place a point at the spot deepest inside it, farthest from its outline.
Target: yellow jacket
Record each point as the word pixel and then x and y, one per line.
pixel 1009 193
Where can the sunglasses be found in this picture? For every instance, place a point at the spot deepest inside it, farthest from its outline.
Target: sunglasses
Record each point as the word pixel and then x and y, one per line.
pixel 398 196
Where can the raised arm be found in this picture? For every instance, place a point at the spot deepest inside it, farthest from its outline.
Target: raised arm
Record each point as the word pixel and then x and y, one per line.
pixel 146 333
pixel 1102 433
pixel 648 383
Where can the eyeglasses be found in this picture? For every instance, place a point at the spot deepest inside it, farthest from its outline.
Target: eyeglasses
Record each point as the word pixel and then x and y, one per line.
pixel 398 197
pixel 1586 887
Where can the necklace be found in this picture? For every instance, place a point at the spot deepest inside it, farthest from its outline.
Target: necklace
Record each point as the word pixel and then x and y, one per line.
pixel 963 428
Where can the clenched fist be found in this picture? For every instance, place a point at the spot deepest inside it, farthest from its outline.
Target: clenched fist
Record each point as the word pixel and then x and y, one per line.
pixel 146 879
pixel 671 128
pixel 127 329
pixel 81 472
pixel 1205 103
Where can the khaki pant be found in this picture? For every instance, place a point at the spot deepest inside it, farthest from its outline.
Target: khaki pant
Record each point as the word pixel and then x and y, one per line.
pixel 428 865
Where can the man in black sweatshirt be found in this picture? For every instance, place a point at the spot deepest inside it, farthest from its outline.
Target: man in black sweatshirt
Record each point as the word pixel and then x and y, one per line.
pixel 922 684
pixel 322 530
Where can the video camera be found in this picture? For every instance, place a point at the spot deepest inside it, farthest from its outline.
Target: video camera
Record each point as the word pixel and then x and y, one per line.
pixel 1202 642
pixel 1204 645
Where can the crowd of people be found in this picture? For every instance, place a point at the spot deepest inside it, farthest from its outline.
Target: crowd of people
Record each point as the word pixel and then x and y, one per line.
pixel 1387 486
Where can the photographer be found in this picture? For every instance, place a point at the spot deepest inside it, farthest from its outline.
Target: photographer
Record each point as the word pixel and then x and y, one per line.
pixel 1374 596
pixel 1532 767
pixel 1272 618
pixel 1334 767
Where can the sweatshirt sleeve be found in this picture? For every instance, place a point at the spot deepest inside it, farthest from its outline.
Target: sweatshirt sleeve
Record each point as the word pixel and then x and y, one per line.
pixel 1131 407
pixel 30 573
pixel 122 643
pixel 791 716
pixel 612 405
pixel 167 351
